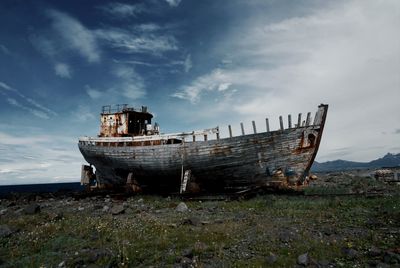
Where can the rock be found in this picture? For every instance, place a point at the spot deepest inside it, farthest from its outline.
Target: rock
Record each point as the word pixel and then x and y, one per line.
pixel 285 237
pixel 200 246
pixel 374 251
pixel 62 264
pixel 97 207
pixel 87 257
pixel 350 253
pixel 219 221
pixel 187 253
pixel 323 263
pixel 191 221
pixel 271 258
pixel 382 265
pixel 117 209
pixel 3 211
pixel 55 216
pixel 81 208
pixel 142 207
pixel 106 208
pixel 140 201
pixel 186 262
pixel 303 259
pixel 391 258
pixel 5 231
pixel 181 207
pixel 32 209
pixel 95 254
pixel 328 231
pixel 19 211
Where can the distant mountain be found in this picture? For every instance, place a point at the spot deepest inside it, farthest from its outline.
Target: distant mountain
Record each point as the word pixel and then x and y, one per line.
pixel 389 160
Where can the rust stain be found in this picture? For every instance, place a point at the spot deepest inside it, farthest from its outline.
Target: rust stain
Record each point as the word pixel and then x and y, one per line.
pixel 221 150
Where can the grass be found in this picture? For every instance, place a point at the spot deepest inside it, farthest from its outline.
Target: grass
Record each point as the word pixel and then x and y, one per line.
pixel 236 233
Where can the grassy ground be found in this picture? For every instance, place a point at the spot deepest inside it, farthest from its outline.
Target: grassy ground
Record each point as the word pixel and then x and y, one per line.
pixel 334 231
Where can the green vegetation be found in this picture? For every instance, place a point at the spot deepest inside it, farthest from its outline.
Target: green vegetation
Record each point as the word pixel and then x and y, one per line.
pixel 219 233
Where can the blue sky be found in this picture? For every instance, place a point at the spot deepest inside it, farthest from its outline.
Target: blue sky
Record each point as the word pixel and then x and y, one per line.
pixel 195 64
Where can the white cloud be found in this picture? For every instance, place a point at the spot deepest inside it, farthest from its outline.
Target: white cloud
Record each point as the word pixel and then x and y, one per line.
pixel 71 35
pixel 148 27
pixel 62 70
pixel 188 63
pixel 173 3
pixel 133 42
pixel 224 86
pixel 44 45
pixel 6 87
pixel 82 113
pixel 345 54
pixel 25 102
pixel 93 93
pixel 203 84
pixel 38 158
pixel 75 36
pixel 127 84
pixel 35 112
pixel 4 49
pixel 123 10
pixel 131 85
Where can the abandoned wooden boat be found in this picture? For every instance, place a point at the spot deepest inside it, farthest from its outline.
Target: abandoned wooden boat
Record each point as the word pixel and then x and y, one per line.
pixel 131 152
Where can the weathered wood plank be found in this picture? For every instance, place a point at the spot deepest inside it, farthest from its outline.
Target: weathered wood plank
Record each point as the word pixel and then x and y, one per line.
pixel 254 127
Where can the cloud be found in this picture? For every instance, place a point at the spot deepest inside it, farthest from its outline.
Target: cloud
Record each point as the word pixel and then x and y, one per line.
pixel 148 27
pixel 397 131
pixel 123 10
pixel 173 3
pixel 62 70
pixel 82 113
pixel 4 49
pixel 35 112
pixel 93 93
pixel 6 87
pixel 44 158
pixel 130 41
pixel 44 45
pixel 127 83
pixel 131 85
pixel 188 63
pixel 69 34
pixel 135 62
pixel 173 65
pixel 74 35
pixel 17 99
pixel 345 54
pixel 217 80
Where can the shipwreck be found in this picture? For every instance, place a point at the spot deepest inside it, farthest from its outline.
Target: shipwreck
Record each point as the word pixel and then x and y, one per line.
pixel 131 153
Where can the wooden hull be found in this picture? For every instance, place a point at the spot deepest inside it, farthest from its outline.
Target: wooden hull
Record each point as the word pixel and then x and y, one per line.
pixel 227 164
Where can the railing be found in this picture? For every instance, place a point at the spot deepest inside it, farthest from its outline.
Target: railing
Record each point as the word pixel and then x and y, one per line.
pixel 308 121
pixel 118 108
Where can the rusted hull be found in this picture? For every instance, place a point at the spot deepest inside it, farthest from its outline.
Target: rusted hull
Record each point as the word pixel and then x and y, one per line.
pixel 227 164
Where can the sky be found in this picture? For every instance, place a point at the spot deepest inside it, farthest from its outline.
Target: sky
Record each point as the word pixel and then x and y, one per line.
pixel 195 64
